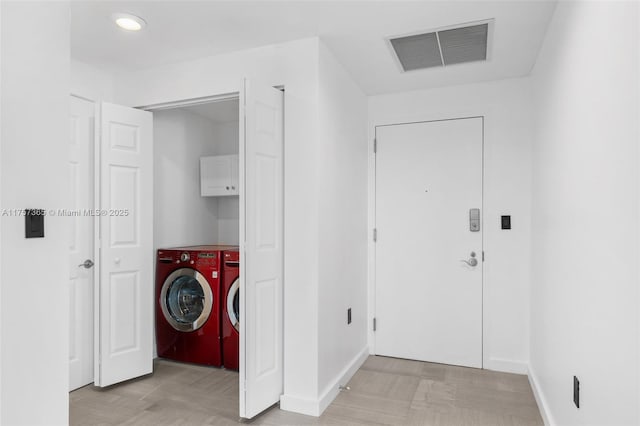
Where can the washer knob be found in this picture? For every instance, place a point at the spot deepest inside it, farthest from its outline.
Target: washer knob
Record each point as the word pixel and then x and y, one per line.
pixel 185 257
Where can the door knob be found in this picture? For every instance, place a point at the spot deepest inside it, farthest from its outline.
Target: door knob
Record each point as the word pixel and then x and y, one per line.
pixel 472 260
pixel 86 264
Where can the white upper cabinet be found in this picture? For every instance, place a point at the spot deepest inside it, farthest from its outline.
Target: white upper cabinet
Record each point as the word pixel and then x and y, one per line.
pixel 219 175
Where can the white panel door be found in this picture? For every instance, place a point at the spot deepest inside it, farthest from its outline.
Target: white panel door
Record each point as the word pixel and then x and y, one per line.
pixel 428 298
pixel 81 243
pixel 125 296
pixel 261 243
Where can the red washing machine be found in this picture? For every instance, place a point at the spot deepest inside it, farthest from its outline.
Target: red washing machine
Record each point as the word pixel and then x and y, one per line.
pixel 231 310
pixel 188 304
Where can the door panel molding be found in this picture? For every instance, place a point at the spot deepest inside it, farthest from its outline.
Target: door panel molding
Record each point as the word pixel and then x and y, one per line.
pixel 124 279
pixel 261 248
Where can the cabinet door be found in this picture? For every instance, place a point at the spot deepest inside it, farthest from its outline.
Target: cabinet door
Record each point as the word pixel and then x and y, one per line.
pixel 214 175
pixel 233 178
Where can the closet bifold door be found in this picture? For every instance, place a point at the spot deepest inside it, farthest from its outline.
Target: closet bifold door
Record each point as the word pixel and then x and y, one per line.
pixel 261 244
pixel 124 290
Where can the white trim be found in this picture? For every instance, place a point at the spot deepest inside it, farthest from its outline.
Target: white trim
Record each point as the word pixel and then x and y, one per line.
pixel 97 254
pixel 331 391
pixel 371 245
pixel 242 225
pixel 1 287
pixel 490 30
pixel 84 98
pixel 638 236
pixel 315 407
pixel 506 366
pixel 440 48
pixel 191 102
pixel 309 407
pixel 543 407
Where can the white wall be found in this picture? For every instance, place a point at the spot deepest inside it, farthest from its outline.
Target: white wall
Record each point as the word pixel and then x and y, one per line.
pixel 584 318
pixel 294 65
pixel 227 136
pixel 342 163
pixel 34 173
pixel 229 220
pixel 227 139
pixel 181 216
pixel 507 190
pixel 91 83
pixel 1 240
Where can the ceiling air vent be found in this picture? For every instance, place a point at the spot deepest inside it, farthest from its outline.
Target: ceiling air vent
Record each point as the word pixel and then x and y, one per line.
pixel 447 46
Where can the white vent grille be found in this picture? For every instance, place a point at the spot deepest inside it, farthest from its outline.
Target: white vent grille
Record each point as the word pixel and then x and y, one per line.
pixel 419 51
pixel 442 47
pixel 468 44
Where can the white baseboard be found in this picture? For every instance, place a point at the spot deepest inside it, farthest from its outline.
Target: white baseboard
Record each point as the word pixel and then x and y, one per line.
pixel 299 405
pixel 315 407
pixel 540 399
pixel 331 391
pixel 506 366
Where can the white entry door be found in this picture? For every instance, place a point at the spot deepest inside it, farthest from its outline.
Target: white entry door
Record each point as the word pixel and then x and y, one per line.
pixel 261 245
pixel 428 252
pixel 124 314
pixel 81 257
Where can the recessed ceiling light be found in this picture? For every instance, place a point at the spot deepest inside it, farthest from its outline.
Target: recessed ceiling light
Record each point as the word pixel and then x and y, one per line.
pixel 128 22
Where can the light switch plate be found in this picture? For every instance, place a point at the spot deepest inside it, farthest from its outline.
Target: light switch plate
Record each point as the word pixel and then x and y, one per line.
pixel 34 223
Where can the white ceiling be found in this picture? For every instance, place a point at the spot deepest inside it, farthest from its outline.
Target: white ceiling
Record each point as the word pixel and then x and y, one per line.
pixel 354 30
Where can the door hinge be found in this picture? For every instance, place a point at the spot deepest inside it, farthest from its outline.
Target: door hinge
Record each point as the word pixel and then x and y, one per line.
pixel 483 255
pixel 375 145
pixel 375 234
pixel 374 324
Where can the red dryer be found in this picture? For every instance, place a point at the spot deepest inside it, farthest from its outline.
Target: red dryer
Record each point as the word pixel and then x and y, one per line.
pixel 231 310
pixel 188 304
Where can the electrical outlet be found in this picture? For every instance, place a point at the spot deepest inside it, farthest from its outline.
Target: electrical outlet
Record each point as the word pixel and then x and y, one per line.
pixel 576 391
pixel 349 316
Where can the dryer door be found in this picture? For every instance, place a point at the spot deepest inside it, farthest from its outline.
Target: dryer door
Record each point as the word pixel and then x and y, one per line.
pixel 186 299
pixel 233 304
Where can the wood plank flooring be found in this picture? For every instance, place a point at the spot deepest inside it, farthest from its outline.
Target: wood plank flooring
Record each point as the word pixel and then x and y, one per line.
pixel 385 391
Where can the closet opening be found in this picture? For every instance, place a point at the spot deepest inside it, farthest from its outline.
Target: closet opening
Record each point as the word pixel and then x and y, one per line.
pixel 196 240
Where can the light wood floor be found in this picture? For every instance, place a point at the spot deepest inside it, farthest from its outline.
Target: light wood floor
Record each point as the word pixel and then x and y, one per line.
pixel 384 391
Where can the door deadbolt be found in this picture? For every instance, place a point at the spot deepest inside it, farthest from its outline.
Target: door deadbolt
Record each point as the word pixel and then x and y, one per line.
pixel 474 220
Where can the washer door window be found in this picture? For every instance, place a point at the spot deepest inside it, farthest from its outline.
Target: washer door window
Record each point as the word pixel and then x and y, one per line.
pixel 233 304
pixel 186 299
